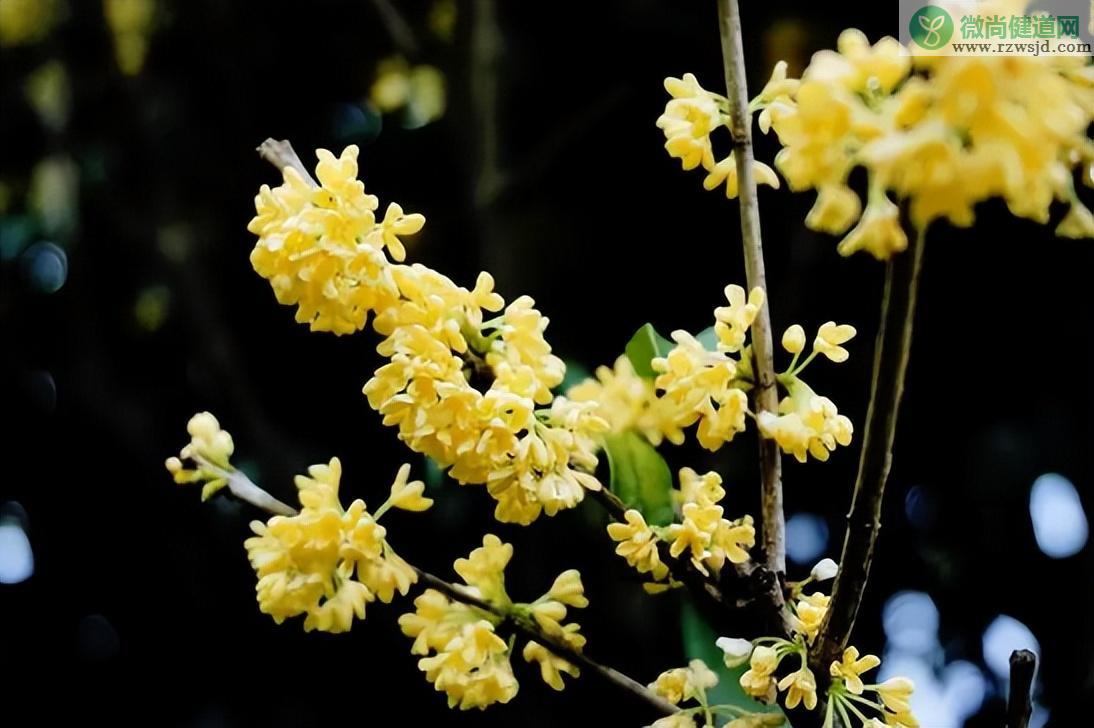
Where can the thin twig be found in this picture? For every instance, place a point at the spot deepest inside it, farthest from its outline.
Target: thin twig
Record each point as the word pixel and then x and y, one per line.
pixel 240 486
pixel 530 630
pixel 1023 665
pixel 281 155
pixel 244 489
pixel 767 400
pixel 892 349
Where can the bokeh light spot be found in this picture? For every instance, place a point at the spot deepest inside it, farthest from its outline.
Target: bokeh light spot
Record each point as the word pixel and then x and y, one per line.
pixel 1003 636
pixel 16 556
pixel 1059 523
pixel 806 538
pixel 919 507
pixel 46 267
pixel 910 619
pixel 964 688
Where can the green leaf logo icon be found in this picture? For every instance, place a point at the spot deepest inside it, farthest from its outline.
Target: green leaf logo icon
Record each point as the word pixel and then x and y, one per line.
pixel 931 27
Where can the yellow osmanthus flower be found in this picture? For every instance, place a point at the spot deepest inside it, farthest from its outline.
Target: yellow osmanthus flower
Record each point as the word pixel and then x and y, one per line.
pixel 465 658
pixel 685 683
pixel 638 545
pixel 484 569
pixel 473 669
pixel 325 562
pixel 626 401
pixel 896 693
pixel 735 320
pixel 800 687
pixel 909 122
pixel 830 336
pixel 697 385
pixel 807 423
pixel 688 120
pixel 470 391
pixel 704 535
pixel 551 666
pixel 210 450
pixel 759 679
pixel 851 667
pixel 890 699
pixel 321 248
pixel 809 611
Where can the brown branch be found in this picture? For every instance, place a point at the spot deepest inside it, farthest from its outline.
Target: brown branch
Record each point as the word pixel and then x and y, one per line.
pixel 892 349
pixel 1023 664
pixel 529 629
pixel 767 398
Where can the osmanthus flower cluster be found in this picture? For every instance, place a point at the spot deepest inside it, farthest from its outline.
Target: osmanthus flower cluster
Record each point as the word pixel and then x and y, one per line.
pixel 709 386
pixel 327 562
pixel 209 452
pixel 469 379
pixel 848 702
pixel 940 132
pixel 683 685
pixel 465 657
pixel 689 118
pixel 324 562
pixel 704 535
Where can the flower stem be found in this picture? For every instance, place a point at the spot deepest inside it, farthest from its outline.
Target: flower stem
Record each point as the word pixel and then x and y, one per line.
pixel 774 525
pixel 262 500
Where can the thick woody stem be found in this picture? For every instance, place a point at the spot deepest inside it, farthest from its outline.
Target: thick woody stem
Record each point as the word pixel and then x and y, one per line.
pixel 892 349
pixel 1023 665
pixel 767 399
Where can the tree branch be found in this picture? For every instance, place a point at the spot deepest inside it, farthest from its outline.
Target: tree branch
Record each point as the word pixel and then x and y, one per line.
pixel 245 490
pixel 529 629
pixel 892 349
pixel 767 399
pixel 1023 664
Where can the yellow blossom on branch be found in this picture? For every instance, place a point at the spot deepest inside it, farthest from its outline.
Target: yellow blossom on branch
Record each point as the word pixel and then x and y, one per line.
pixel 638 545
pixel 325 562
pixel 851 667
pixel 688 120
pixel 908 121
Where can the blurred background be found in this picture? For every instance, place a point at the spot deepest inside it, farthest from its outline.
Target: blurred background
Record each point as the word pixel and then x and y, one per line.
pixel 525 134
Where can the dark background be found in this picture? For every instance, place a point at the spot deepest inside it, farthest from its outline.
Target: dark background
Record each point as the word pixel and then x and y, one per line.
pixel 548 171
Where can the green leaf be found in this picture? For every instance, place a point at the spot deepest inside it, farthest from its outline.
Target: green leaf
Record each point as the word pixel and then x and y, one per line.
pixel 699 638
pixel 640 476
pixel 708 339
pixel 645 345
